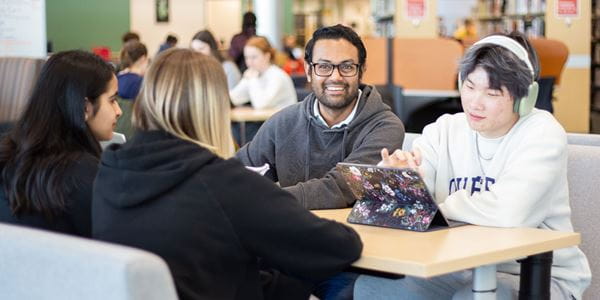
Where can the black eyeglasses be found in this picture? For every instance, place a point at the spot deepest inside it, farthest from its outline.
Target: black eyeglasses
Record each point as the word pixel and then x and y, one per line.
pixel 326 69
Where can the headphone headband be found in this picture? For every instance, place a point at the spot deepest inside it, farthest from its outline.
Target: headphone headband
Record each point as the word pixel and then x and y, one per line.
pixel 511 45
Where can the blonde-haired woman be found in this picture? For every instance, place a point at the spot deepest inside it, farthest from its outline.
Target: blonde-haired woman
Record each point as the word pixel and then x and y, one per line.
pixel 170 191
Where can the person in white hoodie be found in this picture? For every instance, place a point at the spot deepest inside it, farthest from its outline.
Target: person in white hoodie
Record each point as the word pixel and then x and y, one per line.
pixel 501 163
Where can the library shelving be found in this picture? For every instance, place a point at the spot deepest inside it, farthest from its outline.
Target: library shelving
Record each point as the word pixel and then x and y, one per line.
pixel 508 15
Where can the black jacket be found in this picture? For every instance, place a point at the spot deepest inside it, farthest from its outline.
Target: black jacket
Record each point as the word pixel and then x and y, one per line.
pixel 76 219
pixel 211 219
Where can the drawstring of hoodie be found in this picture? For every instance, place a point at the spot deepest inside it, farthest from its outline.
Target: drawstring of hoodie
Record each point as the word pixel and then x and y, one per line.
pixel 307 159
pixel 344 143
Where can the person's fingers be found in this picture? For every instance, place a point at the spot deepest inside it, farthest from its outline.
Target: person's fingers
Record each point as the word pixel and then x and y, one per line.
pixel 399 155
pixel 385 155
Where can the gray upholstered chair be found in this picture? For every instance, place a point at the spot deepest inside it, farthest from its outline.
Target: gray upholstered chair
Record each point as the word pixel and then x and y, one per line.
pixel 17 77
pixel 37 264
pixel 584 190
pixel 583 139
pixel 409 138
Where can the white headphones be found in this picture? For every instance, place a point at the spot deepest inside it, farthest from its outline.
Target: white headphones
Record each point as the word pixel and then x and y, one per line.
pixel 524 105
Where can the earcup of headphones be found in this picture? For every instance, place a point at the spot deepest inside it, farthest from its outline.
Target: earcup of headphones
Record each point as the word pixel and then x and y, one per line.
pixel 526 104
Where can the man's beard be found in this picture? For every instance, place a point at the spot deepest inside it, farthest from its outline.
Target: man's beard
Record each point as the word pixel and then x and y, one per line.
pixel 334 105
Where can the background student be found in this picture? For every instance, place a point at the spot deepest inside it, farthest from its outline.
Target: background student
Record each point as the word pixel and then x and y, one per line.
pixel 134 62
pixel 264 84
pixel 49 159
pixel 500 163
pixel 205 43
pixel 221 218
pixel 238 41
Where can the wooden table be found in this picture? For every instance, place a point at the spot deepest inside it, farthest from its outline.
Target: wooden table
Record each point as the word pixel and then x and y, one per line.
pixel 427 254
pixel 245 114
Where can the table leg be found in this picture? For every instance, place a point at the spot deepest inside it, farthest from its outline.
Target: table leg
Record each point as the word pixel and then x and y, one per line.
pixel 535 276
pixel 242 133
pixel 484 283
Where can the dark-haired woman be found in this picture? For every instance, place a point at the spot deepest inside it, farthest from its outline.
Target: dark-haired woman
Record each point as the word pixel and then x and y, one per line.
pixel 49 160
pixel 205 43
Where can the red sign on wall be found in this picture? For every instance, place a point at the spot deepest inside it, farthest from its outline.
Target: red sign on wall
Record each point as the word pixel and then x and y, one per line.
pixel 415 9
pixel 567 8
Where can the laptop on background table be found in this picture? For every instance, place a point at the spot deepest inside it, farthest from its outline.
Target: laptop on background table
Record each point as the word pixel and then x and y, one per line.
pixel 391 197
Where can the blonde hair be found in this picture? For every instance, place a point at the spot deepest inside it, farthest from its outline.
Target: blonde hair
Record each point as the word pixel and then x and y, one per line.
pixel 262 44
pixel 185 94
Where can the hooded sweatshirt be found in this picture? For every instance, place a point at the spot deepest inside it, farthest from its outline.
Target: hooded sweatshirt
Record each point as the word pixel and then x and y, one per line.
pixel 302 151
pixel 211 219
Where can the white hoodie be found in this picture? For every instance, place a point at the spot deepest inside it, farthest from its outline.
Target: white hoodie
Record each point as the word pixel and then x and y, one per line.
pixel 518 180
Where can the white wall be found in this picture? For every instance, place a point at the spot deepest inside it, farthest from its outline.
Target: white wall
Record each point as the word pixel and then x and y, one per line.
pixel 186 17
pixel 223 19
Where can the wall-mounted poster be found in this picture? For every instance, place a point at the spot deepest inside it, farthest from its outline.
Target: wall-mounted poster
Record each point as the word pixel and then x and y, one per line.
pixel 567 8
pixel 415 10
pixel 23 28
pixel 162 11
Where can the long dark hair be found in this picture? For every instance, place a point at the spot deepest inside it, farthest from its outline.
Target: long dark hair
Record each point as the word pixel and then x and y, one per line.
pixel 207 37
pixel 52 133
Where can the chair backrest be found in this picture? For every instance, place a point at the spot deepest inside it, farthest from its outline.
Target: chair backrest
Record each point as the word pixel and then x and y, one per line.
pixel 583 169
pixel 409 138
pixel 36 264
pixel 426 64
pixel 552 55
pixel 377 61
pixel 17 78
pixel 583 139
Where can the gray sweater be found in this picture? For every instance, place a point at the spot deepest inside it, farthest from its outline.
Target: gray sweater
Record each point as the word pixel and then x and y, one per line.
pixel 303 152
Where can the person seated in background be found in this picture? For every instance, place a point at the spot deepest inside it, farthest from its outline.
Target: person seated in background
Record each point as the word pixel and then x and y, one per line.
pixel 134 62
pixel 293 64
pixel 466 31
pixel 224 220
pixel 238 41
pixel 170 42
pixel 130 36
pixel 205 43
pixel 501 163
pixel 264 85
pixel 49 159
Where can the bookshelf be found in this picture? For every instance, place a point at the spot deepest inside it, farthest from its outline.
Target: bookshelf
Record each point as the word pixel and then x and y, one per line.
pixel 509 15
pixel 383 16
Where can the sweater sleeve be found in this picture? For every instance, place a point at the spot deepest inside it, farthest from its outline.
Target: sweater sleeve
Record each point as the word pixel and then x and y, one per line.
pixel 261 149
pixel 239 94
pixel 272 225
pixel 519 196
pixel 331 191
pixel 267 92
pixel 428 143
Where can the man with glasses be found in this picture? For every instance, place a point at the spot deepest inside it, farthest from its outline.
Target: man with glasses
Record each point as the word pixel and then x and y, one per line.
pixel 342 120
